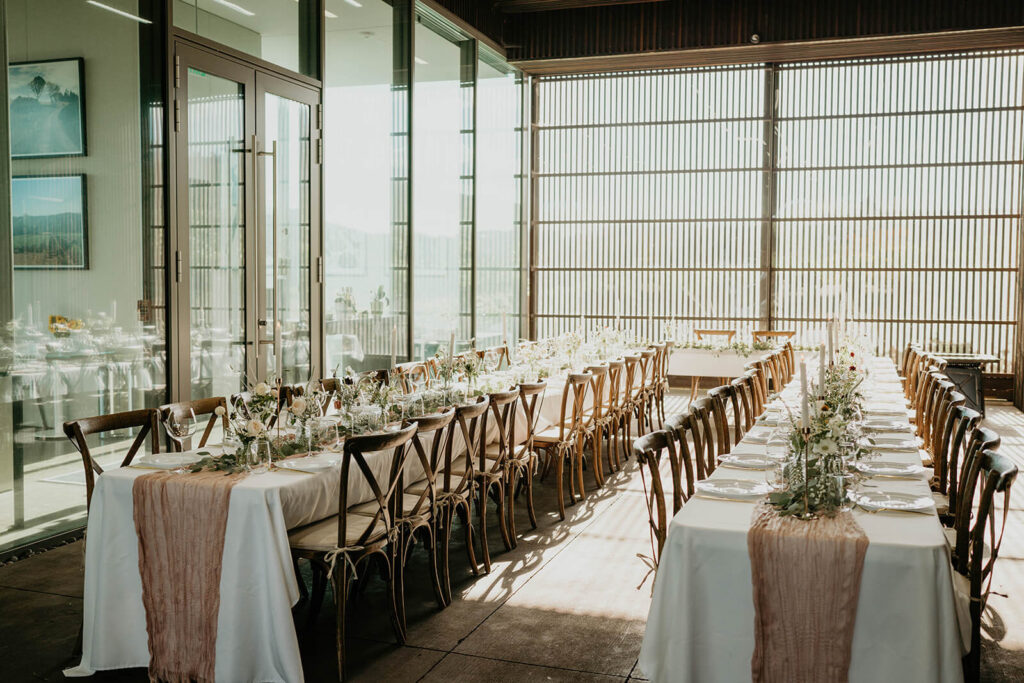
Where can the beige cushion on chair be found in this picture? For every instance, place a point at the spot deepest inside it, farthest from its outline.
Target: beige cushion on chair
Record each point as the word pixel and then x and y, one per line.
pixel 370 508
pixel 941 502
pixel 458 469
pixel 323 535
pixel 493 451
pixel 548 436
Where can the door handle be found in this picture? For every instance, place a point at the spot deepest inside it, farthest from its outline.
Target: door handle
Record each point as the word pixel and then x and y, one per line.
pixel 276 341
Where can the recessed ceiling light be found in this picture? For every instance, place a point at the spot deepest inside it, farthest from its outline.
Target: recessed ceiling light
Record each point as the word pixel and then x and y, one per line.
pixel 354 3
pixel 420 60
pixel 237 8
pixel 117 11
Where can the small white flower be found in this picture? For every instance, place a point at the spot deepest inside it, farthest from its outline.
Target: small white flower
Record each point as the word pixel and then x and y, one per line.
pixel 254 428
pixel 299 406
pixel 261 389
pixel 219 411
pixel 825 447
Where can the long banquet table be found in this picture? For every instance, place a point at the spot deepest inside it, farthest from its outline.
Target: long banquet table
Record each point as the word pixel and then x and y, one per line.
pixel 701 622
pixel 256 639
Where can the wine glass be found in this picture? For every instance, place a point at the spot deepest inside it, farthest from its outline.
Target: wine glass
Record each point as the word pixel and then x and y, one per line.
pixel 181 429
pixel 491 360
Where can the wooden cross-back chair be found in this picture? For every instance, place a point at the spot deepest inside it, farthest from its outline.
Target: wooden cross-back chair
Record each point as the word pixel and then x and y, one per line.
pixel 522 458
pixel 78 431
pixel 501 351
pixel 661 386
pixel 414 373
pixel 641 391
pixel 336 546
pixel 977 546
pixel 685 430
pixel 956 427
pixel 563 442
pixel 719 400
pixel 594 419
pixel 705 456
pixel 772 335
pixel 961 500
pixel 940 405
pixel 743 400
pixel 184 410
pixel 455 485
pixel 418 510
pixel 632 382
pixel 492 467
pixel 648 450
pixel 240 402
pixel 615 416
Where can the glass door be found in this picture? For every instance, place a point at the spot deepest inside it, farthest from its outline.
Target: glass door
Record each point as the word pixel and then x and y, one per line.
pixel 246 280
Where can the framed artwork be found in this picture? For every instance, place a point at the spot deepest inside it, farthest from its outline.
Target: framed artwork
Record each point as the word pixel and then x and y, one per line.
pixel 47 108
pixel 49 220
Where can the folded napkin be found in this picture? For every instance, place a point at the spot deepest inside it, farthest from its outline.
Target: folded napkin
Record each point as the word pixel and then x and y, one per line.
pixel 180 521
pixel 806 579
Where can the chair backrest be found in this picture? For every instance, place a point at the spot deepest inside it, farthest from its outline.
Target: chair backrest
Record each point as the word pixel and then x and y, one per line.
pixel 645 379
pixel 178 412
pixel 503 410
pixel 757 398
pixel 530 396
pixel 598 394
pixel 386 492
pixel 331 387
pixel 468 423
pixel 437 429
pixel 768 335
pixel 412 373
pixel 941 405
pixel 946 434
pixel 648 450
pixel 501 351
pixel 633 381
pixel 616 376
pixel 684 431
pixel 978 547
pixel 760 375
pixel 574 399
pixel 742 406
pixel 700 410
pixel 719 399
pixel 980 440
pixel 78 431
pixel 240 402
pixel 728 334
pixel 967 421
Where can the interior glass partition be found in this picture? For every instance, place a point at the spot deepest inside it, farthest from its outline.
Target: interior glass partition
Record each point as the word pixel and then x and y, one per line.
pixel 82 329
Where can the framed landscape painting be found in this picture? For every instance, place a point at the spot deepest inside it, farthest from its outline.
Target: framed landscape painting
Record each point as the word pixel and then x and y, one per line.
pixel 49 216
pixel 47 108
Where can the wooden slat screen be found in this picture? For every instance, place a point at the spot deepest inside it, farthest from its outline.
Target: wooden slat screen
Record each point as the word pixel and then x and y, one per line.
pixel 777 195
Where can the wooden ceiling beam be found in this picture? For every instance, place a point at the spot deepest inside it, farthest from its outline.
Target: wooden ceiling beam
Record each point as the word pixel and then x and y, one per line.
pixel 523 6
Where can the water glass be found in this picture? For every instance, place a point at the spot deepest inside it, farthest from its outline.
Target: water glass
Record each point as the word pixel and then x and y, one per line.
pixel 259 456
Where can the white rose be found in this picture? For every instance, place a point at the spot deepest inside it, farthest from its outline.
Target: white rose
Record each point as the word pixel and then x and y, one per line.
pixel 219 411
pixel 299 406
pixel 254 427
pixel 261 389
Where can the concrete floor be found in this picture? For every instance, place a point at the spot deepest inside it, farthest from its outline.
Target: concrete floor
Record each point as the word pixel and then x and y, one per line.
pixel 568 604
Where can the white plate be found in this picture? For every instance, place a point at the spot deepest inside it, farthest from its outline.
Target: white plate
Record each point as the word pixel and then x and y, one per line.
pixel 172 461
pixel 732 489
pixel 877 501
pixel 880 468
pixel 885 411
pixel 313 464
pixel 744 461
pixel 880 425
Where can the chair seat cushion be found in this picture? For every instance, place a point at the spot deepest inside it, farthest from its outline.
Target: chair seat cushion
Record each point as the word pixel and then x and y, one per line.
pixel 493 452
pixel 409 499
pixel 458 470
pixel 323 535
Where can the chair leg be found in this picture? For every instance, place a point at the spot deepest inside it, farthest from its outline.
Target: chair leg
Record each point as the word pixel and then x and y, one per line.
pixel 529 494
pixel 559 468
pixel 485 553
pixel 510 495
pixel 463 509
pixel 502 516
pixel 694 385
pixel 396 583
pixel 444 538
pixel 432 558
pixel 598 467
pixel 340 597
pixel 579 465
pixel 303 591
pixel 317 596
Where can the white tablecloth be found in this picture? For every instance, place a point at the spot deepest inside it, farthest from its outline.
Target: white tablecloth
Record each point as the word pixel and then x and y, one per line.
pixel 711 363
pixel 701 622
pixel 256 638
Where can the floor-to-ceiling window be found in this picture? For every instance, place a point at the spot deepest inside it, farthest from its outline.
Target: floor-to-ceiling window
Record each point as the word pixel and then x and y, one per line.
pixel 82 330
pixel 499 188
pixel 442 182
pixel 366 181
pixel 887 191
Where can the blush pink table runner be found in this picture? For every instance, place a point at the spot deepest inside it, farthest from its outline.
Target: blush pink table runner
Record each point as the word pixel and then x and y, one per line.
pixel 806 579
pixel 180 521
